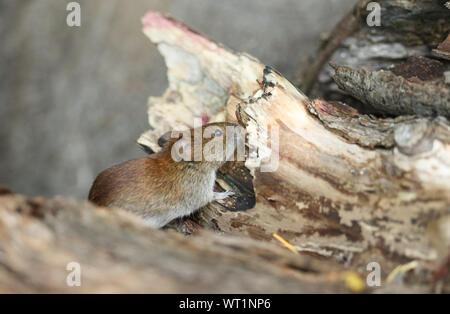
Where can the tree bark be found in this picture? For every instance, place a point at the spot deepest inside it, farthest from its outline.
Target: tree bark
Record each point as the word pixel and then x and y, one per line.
pixel 119 254
pixel 408 29
pixel 348 186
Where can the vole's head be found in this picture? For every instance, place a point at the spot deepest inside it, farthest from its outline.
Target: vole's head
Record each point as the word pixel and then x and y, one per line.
pixel 210 145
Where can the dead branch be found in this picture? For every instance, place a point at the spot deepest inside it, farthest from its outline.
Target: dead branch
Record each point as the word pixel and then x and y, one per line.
pixel 336 195
pixel 394 95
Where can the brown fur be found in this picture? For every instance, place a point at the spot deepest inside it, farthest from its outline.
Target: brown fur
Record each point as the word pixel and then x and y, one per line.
pixel 158 186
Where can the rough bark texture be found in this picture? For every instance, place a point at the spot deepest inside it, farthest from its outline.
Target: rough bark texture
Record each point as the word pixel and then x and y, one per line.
pixel 443 50
pixel 348 186
pixel 392 94
pixel 408 28
pixel 117 253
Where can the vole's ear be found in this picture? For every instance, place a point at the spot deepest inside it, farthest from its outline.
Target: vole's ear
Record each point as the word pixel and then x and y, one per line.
pixel 164 138
pixel 145 148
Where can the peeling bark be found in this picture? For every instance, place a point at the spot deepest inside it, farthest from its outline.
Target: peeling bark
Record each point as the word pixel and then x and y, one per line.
pixel 394 95
pixel 408 28
pixel 340 190
pixel 443 50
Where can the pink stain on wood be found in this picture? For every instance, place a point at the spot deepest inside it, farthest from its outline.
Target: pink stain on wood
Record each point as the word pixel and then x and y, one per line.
pixel 334 108
pixel 322 106
pixel 158 20
pixel 205 118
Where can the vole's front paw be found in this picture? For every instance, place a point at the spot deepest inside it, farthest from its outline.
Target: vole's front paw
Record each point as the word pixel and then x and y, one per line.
pixel 222 195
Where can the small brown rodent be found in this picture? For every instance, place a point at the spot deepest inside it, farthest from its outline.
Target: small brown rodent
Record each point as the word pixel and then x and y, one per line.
pixel 159 188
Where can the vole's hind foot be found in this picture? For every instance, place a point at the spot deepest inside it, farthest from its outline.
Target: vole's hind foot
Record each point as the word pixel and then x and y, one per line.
pixel 222 195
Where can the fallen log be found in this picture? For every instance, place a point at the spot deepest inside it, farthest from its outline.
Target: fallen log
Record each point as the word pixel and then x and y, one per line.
pixel 116 253
pixel 340 191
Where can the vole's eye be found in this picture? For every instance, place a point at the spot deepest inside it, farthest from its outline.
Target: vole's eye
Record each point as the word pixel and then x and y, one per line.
pixel 217 133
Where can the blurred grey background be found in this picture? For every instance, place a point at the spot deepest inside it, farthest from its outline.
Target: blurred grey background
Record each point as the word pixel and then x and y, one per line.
pixel 73 100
